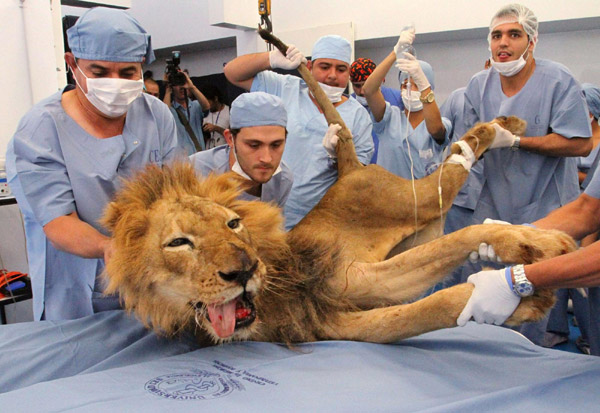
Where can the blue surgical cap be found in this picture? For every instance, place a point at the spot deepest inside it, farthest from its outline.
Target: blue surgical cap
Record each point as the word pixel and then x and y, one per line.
pixel 257 109
pixel 592 97
pixel 332 47
pixel 427 69
pixel 111 35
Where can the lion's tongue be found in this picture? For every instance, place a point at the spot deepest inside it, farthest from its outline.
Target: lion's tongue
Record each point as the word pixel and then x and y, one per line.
pixel 222 318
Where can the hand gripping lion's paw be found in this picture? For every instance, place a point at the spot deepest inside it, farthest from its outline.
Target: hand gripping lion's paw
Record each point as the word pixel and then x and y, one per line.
pixel 516 125
pixel 519 244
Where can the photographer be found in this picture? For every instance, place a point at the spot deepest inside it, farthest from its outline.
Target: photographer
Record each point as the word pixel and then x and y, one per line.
pixel 188 114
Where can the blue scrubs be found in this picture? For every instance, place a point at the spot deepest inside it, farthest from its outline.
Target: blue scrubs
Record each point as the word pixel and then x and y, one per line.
pixel 216 160
pixel 460 214
pixel 394 97
pixel 588 164
pixel 393 144
pixel 453 109
pixel 196 118
pixel 55 168
pixel 524 186
pixel 314 172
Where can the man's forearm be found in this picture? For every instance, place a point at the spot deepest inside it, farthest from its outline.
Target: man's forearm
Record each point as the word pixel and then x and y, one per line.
pixel 241 70
pixel 372 87
pixel 578 218
pixel 580 268
pixel 554 144
pixel 200 97
pixel 70 234
pixel 167 97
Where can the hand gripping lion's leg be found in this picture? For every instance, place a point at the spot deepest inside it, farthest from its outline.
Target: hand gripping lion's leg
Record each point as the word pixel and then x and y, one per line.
pixel 387 281
pixel 407 275
pixel 437 311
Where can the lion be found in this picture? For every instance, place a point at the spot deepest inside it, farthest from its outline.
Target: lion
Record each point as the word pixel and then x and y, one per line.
pixel 189 255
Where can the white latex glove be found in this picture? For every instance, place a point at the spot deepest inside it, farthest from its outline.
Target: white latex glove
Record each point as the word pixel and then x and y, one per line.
pixel 492 300
pixel 330 139
pixel 410 65
pixel 406 37
pixel 504 138
pixel 290 61
pixel 486 252
pixel 495 221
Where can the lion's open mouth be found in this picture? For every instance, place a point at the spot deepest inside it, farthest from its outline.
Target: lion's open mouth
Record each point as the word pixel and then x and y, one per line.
pixel 234 314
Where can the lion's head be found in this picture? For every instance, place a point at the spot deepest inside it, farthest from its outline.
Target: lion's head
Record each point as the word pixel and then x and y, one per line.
pixel 186 250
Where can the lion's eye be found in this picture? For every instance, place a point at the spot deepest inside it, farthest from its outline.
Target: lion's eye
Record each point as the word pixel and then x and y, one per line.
pixel 234 223
pixel 177 242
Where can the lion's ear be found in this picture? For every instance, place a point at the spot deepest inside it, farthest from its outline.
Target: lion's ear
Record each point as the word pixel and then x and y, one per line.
pixel 111 216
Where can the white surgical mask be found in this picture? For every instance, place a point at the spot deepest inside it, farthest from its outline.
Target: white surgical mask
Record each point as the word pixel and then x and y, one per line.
pixel 362 100
pixel 333 93
pixel 412 103
pixel 112 96
pixel 511 68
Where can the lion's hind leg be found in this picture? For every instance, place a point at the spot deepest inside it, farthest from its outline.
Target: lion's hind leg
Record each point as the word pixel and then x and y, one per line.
pixel 389 324
pixel 437 311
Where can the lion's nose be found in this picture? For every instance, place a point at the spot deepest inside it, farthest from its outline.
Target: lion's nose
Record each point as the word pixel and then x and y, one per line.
pixel 245 270
pixel 239 276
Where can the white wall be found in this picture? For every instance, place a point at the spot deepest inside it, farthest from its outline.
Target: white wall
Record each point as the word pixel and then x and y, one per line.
pixel 28 68
pixel 175 22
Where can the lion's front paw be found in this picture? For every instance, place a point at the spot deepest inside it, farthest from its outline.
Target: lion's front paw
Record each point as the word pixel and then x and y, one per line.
pixel 532 308
pixel 512 123
pixel 525 245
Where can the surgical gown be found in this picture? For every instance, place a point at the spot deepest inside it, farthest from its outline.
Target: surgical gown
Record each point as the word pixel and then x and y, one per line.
pixel 523 186
pixel 389 95
pixel 314 172
pixel 394 145
pixel 54 168
pixel 216 160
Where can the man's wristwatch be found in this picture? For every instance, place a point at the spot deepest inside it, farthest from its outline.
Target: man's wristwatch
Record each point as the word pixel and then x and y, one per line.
pixel 522 286
pixel 516 144
pixel 429 98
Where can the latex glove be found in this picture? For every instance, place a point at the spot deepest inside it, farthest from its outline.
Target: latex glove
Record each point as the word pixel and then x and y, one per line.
pixel 290 61
pixel 330 139
pixel 406 37
pixel 492 300
pixel 504 138
pixel 495 221
pixel 486 252
pixel 410 65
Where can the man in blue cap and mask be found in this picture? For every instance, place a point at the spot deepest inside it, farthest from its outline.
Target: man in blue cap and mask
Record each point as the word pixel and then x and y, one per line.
pixel 313 166
pixel 255 143
pixel 69 153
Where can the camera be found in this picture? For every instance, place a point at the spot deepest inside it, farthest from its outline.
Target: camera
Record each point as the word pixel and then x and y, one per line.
pixel 174 76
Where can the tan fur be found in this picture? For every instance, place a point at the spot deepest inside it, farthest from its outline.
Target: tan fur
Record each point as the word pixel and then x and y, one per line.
pixel 326 279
